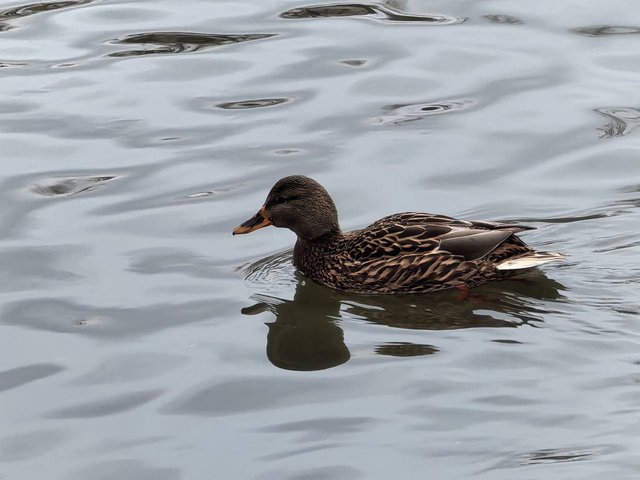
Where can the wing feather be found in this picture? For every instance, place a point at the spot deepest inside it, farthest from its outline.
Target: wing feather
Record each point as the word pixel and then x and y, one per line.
pixel 474 244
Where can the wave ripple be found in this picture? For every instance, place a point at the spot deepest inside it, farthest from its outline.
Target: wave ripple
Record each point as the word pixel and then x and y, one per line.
pixel 160 43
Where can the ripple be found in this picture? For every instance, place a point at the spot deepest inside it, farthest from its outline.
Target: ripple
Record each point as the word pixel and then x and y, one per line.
pixel 321 429
pixel 338 10
pixel 19 376
pixel 503 19
pixel 559 455
pixel 17 107
pixel 549 456
pixel 622 121
pixel 359 9
pixel 412 112
pixel 563 219
pixel 27 446
pixel 108 406
pixel 63 316
pixel 109 469
pixel 354 63
pixel 13 64
pixel 157 261
pixel 130 368
pixel 33 8
pixel 601 30
pixel 252 393
pixel 162 43
pixel 273 271
pixel 200 194
pixel 507 341
pixel 405 349
pixel 287 151
pixel 70 186
pixel 249 104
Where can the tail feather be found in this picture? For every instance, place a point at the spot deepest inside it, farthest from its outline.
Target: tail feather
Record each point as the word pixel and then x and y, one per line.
pixel 529 260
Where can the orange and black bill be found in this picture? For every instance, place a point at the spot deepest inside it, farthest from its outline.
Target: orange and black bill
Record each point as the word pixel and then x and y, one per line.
pixel 259 220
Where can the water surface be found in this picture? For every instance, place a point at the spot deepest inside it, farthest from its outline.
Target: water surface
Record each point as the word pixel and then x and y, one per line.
pixel 140 340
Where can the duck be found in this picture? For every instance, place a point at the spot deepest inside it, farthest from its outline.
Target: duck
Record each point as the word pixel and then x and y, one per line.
pixel 407 252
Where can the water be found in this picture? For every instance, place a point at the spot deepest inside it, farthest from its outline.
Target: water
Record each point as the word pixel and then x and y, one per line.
pixel 140 340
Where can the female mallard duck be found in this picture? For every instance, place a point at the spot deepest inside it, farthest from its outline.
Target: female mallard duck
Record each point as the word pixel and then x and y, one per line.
pixel 402 253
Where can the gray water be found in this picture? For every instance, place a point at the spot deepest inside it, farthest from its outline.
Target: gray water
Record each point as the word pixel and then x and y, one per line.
pixel 140 340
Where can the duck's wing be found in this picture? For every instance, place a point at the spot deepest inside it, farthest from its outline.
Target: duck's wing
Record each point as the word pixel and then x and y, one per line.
pixel 420 233
pixel 413 259
pixel 410 252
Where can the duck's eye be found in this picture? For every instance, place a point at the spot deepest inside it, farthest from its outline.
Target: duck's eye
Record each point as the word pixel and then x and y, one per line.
pixel 283 199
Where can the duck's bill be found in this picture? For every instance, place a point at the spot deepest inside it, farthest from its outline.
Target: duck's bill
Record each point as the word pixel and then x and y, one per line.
pixel 259 220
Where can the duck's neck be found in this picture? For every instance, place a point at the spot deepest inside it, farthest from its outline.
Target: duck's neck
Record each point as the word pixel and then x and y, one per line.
pixel 310 254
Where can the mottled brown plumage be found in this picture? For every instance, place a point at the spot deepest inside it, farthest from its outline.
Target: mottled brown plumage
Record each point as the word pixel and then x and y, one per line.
pixel 402 253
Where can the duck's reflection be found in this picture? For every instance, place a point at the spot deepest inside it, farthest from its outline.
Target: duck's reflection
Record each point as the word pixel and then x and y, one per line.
pixel 306 334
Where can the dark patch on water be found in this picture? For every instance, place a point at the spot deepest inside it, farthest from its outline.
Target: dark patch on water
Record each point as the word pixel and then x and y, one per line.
pixel 556 455
pixel 604 30
pixel 287 151
pixel 550 456
pixel 358 9
pixel 304 335
pixel 13 64
pixel 163 43
pixel 405 349
pixel 70 186
pixel 507 341
pixel 21 375
pixel 622 121
pixel 411 112
pixel 509 19
pixel 29 9
pixel 301 340
pixel 250 104
pixel 338 10
pixel 353 63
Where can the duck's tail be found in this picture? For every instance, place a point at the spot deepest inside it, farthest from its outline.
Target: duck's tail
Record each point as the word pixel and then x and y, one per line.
pixel 529 260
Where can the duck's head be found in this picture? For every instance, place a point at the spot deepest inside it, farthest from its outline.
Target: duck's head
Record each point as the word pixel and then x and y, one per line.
pixel 298 203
